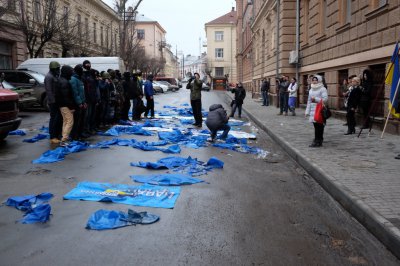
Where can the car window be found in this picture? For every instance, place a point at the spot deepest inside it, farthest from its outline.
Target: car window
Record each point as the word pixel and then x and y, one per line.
pixel 23 78
pixel 11 76
pixel 38 77
pixel 7 85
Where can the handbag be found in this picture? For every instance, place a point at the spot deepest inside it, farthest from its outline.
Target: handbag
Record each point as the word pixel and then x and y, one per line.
pixel 326 112
pixel 318 117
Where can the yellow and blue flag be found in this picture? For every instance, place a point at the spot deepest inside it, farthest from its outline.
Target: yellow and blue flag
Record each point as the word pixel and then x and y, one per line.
pixel 392 78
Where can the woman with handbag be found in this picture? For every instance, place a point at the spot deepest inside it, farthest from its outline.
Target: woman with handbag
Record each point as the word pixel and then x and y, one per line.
pixel 316 94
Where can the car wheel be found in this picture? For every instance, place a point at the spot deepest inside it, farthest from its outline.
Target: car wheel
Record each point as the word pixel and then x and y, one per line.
pixel 45 104
pixel 3 136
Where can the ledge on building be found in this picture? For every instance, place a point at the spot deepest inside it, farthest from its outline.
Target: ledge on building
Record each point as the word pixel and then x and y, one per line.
pixel 377 12
pixel 343 28
pixel 321 37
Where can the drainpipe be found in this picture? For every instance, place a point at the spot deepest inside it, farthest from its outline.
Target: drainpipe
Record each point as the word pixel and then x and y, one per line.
pixel 277 47
pixel 297 38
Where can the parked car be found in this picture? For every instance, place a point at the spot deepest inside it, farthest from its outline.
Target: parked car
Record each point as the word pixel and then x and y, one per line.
pixel 156 88
pixel 169 85
pixel 172 81
pixel 25 95
pixel 205 87
pixel 163 87
pixel 28 79
pixel 9 119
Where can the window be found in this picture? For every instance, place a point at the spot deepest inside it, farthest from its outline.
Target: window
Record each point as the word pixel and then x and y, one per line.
pixel 219 35
pixel 344 11
pixel 79 21
pixel 322 17
pixel 115 42
pixel 219 53
pixel 5 55
pixel 107 38
pixel 36 10
pixel 101 36
pixel 140 34
pixel 87 28
pixel 12 5
pixel 378 3
pixel 94 33
pixel 306 19
pixel 65 10
pixel 219 71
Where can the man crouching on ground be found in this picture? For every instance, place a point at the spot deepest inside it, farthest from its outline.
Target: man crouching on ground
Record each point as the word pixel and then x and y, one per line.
pixel 217 119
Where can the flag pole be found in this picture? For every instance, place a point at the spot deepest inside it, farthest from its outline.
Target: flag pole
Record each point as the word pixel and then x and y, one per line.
pixel 391 107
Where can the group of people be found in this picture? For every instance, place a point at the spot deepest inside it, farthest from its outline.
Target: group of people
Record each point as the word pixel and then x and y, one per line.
pixel 82 100
pixel 287 94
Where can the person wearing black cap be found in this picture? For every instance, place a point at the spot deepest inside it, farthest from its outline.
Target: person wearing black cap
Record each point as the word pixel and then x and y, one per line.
pixel 92 96
pixel 79 97
pixel 55 122
pixel 149 93
pixel 66 103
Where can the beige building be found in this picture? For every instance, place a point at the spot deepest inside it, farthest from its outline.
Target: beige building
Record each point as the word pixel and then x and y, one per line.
pixel 152 36
pixel 336 39
pixel 93 30
pixel 221 46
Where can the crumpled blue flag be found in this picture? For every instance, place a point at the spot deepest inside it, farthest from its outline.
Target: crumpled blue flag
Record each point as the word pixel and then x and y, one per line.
pixel 132 130
pixel 184 104
pixel 44 129
pixel 166 179
pixel 236 123
pixel 144 195
pixel 38 137
pixel 18 132
pixel 178 164
pixel 105 219
pixel 39 214
pixel 104 144
pixel 36 211
pixel 215 162
pixel 25 203
pixel 174 136
pixel 58 154
pixel 243 148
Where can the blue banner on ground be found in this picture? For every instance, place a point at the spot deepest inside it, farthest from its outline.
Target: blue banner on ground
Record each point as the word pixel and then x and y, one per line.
pixel 144 195
pixel 166 179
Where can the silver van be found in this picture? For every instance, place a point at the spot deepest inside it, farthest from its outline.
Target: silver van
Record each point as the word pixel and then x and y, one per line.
pixel 41 65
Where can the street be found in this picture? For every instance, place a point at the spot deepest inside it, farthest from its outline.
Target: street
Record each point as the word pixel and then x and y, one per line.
pixel 254 211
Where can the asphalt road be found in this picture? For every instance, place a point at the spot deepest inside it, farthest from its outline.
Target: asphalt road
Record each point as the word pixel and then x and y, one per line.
pixel 253 212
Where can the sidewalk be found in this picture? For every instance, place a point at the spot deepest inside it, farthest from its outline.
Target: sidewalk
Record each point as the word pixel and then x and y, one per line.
pixel 360 173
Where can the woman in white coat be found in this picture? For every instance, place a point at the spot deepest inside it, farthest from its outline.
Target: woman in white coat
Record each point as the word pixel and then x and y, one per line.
pixel 317 93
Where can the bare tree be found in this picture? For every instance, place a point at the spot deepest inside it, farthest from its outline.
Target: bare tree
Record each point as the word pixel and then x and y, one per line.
pixel 69 35
pixel 155 65
pixel 128 40
pixel 39 26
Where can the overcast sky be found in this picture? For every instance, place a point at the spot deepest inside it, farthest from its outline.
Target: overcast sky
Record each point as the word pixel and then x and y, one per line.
pixel 183 20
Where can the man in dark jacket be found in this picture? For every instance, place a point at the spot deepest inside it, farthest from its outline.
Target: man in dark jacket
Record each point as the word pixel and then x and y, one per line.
pixel 65 101
pixel 149 93
pixel 283 85
pixel 55 122
pixel 195 85
pixel 79 96
pixel 92 96
pixel 217 119
pixel 264 91
pixel 240 94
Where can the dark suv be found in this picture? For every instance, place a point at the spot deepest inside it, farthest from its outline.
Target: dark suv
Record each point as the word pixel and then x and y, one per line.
pixel 28 79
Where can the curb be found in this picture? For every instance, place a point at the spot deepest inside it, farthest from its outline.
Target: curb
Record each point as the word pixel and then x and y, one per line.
pixel 379 226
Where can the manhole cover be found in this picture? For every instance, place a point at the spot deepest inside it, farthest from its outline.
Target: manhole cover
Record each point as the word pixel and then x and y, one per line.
pixel 358 164
pixel 8 157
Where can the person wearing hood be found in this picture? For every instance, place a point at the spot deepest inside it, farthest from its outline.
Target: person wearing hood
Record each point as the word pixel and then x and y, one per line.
pixel 149 94
pixel 217 119
pixel 55 123
pixel 92 97
pixel 79 96
pixel 240 94
pixel 365 101
pixel 317 93
pixel 65 101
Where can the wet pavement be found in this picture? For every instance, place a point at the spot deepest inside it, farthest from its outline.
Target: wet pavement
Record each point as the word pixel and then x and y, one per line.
pixel 254 211
pixel 360 172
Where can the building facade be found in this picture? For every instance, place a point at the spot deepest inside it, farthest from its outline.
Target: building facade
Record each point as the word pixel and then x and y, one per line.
pixel 221 46
pixel 335 39
pixel 91 28
pixel 152 36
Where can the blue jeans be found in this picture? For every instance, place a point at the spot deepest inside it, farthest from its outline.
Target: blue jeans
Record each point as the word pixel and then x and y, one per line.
pixel 283 102
pixel 265 98
pixel 224 135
